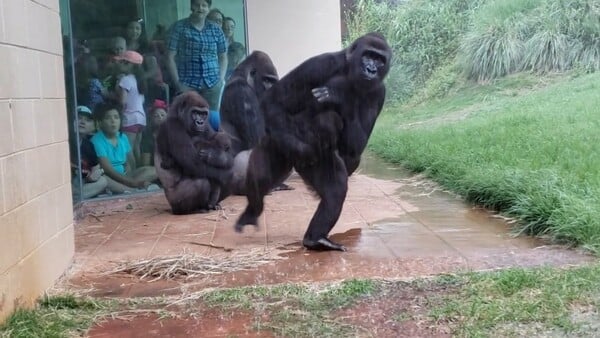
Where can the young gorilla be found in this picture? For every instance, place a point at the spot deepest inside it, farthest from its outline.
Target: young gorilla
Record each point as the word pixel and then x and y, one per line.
pixel 216 152
pixel 241 116
pixel 193 162
pixel 319 119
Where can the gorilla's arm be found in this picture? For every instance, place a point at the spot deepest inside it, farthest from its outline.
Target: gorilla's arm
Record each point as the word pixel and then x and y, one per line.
pixel 333 93
pixel 173 143
pixel 293 94
pixel 248 121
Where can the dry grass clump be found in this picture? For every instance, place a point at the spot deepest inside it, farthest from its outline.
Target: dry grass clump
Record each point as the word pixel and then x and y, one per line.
pixel 192 265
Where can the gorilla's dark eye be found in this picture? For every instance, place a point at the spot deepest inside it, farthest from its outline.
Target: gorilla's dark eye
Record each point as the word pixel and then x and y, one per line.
pixel 376 57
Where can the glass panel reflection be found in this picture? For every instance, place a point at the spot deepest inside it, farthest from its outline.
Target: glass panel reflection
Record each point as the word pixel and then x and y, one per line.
pixel 119 82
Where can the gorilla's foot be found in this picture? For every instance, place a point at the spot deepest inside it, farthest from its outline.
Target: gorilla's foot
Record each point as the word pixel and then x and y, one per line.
pixel 244 220
pixel 322 244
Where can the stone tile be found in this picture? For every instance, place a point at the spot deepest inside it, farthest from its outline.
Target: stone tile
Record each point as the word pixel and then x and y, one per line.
pixel 44 121
pixel 37 180
pixel 48 76
pixel 2 192
pixel 53 5
pixel 58 110
pixel 64 206
pixel 6 133
pixel 61 88
pixel 8 84
pixel 5 296
pixel 48 225
pixel 2 30
pixel 15 167
pixel 27 220
pixel 28 80
pixel 47 21
pixel 42 267
pixel 11 238
pixel 24 125
pixel 415 245
pixel 16 22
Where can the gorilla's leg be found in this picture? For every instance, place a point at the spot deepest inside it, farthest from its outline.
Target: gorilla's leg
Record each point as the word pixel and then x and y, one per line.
pixel 266 168
pixel 329 179
pixel 189 196
pixel 214 195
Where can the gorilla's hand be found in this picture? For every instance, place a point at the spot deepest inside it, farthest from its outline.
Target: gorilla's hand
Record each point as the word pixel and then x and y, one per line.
pixel 323 95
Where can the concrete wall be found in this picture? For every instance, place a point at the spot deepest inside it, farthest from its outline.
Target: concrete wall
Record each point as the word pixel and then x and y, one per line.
pixel 36 214
pixel 291 31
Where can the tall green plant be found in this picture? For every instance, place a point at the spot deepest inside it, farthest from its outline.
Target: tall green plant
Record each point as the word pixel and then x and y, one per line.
pixel 423 34
pixel 532 35
pixel 492 54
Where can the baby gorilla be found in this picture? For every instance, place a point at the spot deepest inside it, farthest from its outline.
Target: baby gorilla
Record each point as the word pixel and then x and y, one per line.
pixel 217 153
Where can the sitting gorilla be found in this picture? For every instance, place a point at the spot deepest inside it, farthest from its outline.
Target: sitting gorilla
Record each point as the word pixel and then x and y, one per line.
pixel 319 119
pixel 241 116
pixel 193 162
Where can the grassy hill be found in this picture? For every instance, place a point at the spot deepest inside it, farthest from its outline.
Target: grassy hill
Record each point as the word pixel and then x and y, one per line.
pixel 499 101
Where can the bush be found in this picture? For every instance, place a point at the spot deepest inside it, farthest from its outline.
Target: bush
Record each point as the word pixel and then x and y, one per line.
pixel 532 35
pixel 492 54
pixel 423 34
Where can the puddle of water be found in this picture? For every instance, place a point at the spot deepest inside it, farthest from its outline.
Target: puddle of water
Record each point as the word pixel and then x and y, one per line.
pixel 206 324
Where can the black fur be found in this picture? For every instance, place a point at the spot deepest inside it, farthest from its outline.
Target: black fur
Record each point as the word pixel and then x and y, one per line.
pixel 318 120
pixel 192 161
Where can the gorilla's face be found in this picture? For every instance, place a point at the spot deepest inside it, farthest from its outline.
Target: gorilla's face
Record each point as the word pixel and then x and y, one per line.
pixel 259 71
pixel 369 58
pixel 372 65
pixel 198 120
pixel 192 110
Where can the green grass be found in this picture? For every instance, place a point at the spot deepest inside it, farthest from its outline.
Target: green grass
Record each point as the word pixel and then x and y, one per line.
pixel 519 146
pixel 512 302
pixel 294 310
pixel 56 316
pixel 519 302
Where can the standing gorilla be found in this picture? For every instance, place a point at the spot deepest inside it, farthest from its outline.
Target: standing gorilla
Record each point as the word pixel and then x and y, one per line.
pixel 241 116
pixel 193 162
pixel 319 119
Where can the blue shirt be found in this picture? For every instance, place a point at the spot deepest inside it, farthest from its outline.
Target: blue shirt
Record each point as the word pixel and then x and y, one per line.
pixel 197 57
pixel 117 155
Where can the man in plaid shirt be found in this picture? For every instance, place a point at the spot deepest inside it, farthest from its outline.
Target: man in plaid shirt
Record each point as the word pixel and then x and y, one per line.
pixel 197 54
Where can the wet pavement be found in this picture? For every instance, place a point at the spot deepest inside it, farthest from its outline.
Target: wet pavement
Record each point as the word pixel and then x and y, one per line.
pixel 394 226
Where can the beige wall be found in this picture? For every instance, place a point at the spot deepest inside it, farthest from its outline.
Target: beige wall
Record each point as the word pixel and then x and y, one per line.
pixel 291 31
pixel 36 215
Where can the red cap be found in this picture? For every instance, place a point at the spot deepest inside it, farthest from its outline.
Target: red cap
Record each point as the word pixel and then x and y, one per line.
pixel 130 56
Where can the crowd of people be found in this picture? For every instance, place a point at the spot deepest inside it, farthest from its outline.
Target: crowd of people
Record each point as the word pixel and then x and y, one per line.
pixel 123 93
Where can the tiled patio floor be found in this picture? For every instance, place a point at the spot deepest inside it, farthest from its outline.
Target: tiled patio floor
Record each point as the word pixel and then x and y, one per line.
pixel 394 227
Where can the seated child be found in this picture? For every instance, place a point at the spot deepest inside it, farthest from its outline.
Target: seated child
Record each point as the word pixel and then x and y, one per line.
pixel 115 154
pixel 89 172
